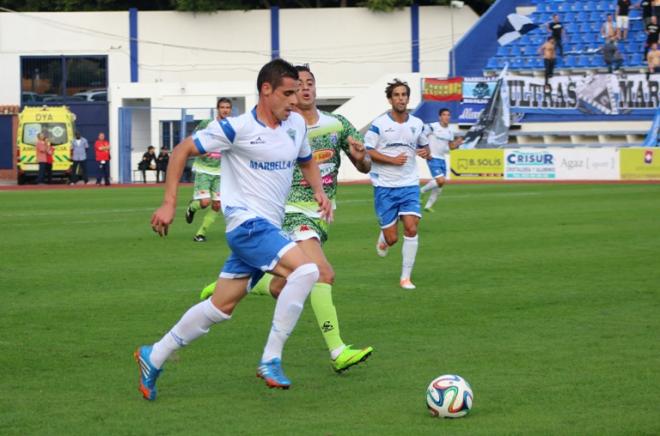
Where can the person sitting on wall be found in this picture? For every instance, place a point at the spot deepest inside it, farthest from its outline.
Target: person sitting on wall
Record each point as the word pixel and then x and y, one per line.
pixel 148 162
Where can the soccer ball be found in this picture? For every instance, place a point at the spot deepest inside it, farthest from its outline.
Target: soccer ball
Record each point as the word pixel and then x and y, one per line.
pixel 449 396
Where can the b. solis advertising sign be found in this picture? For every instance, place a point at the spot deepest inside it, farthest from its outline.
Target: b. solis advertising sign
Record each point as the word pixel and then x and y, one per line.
pixel 640 163
pixel 477 164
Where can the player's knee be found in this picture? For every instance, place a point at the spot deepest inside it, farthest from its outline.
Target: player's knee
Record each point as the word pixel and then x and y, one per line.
pixel 391 239
pixel 326 273
pixel 204 203
pixel 306 274
pixel 440 181
pixel 216 206
pixel 410 230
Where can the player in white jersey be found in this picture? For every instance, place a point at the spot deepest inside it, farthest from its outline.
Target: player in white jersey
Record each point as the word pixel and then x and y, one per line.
pixel 442 139
pixel 260 150
pixel 393 141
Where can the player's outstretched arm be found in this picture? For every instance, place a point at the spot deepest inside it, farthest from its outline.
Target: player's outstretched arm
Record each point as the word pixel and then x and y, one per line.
pixel 311 173
pixel 358 155
pixel 164 215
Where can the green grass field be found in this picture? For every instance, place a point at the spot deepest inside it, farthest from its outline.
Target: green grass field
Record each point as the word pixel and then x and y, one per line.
pixel 546 298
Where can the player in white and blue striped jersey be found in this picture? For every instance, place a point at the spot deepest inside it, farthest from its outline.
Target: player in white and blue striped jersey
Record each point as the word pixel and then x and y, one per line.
pixel 393 141
pixel 260 150
pixel 442 139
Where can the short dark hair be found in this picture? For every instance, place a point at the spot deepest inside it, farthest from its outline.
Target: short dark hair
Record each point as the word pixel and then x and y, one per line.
pixel 305 67
pixel 395 84
pixel 223 100
pixel 442 110
pixel 273 73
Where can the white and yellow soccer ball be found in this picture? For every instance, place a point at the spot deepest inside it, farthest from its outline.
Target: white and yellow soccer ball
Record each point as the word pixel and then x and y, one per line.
pixel 449 396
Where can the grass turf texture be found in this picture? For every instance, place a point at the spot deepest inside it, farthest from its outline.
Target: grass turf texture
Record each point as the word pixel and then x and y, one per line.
pixel 544 297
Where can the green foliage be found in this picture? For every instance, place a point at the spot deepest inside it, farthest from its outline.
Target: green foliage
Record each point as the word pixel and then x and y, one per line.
pixel 544 297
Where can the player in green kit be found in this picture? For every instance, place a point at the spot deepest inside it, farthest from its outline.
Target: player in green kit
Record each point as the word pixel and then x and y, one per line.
pixel 207 180
pixel 328 135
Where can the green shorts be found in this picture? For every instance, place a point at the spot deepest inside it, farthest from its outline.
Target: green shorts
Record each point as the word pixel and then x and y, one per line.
pixel 301 227
pixel 206 186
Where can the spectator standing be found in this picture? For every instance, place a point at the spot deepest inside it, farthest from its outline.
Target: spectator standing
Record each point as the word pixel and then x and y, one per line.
pixel 41 148
pixel 653 59
pixel 612 56
pixel 79 158
pixel 162 161
pixel 148 162
pixel 652 30
pixel 557 31
pixel 608 29
pixel 547 50
pixel 102 149
pixel 622 11
pixel 647 10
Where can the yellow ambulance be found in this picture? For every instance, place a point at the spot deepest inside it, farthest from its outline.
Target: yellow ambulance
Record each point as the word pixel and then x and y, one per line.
pixel 58 124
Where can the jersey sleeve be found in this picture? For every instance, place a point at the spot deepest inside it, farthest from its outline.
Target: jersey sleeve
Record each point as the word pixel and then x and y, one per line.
pixel 305 153
pixel 371 137
pixel 422 138
pixel 217 136
pixel 348 130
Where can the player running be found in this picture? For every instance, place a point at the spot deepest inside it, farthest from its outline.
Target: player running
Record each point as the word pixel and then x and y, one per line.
pixel 207 179
pixel 442 138
pixel 328 135
pixel 393 141
pixel 260 150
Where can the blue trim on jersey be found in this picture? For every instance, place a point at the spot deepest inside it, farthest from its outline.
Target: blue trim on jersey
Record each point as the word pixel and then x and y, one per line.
pixel 230 133
pixel 199 145
pixel 305 158
pixel 254 114
pixel 374 129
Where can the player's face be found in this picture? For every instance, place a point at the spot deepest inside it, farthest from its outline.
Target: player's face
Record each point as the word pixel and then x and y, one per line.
pixel 224 110
pixel 444 118
pixel 281 100
pixel 399 99
pixel 307 91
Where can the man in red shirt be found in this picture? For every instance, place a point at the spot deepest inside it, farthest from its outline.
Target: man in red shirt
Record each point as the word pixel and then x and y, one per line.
pixel 42 149
pixel 102 149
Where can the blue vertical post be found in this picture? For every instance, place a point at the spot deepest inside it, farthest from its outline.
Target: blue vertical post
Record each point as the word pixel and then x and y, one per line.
pixel 125 120
pixel 133 44
pixel 414 25
pixel 274 32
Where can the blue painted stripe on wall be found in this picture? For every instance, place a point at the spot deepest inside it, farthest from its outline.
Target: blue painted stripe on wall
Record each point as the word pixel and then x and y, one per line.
pixel 414 25
pixel 274 32
pixel 133 36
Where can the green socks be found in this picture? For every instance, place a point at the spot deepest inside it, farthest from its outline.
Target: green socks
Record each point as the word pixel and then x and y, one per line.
pixel 326 315
pixel 209 219
pixel 194 205
pixel 263 286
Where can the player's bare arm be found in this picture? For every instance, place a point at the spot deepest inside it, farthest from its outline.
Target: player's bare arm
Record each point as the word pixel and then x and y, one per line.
pixel 311 173
pixel 358 155
pixel 164 215
pixel 398 160
pixel 424 152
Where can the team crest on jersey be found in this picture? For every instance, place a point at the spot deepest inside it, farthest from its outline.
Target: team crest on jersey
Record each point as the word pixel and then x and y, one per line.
pixel 333 138
pixel 413 130
pixel 292 134
pixel 323 155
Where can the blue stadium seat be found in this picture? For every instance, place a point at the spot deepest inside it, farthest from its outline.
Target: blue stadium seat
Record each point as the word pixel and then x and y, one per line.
pixel 582 62
pixel 585 27
pixel 589 6
pixel 571 27
pixel 515 51
pixel 536 63
pixel 516 64
pixel 492 64
pixel 636 59
pixel 570 61
pixel 568 17
pixel 597 16
pixel 552 7
pixel 541 7
pixel 581 16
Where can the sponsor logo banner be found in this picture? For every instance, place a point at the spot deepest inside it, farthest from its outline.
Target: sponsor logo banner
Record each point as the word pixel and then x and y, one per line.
pixel 478 89
pixel 477 164
pixel 640 163
pixel 587 164
pixel 529 164
pixel 442 89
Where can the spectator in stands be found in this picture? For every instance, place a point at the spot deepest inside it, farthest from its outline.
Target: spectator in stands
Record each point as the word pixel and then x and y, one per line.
pixel 608 29
pixel 653 59
pixel 42 149
pixel 79 159
pixel 652 30
pixel 148 162
pixel 647 10
pixel 102 149
pixel 557 31
pixel 622 11
pixel 547 50
pixel 612 56
pixel 162 161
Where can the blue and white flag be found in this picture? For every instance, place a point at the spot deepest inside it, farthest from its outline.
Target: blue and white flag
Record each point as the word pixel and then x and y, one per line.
pixel 513 28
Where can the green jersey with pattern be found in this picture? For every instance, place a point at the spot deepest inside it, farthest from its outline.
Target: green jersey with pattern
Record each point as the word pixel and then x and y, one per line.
pixel 208 163
pixel 326 138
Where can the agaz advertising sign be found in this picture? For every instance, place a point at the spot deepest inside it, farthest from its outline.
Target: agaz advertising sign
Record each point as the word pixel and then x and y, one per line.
pixel 587 164
pixel 529 164
pixel 477 164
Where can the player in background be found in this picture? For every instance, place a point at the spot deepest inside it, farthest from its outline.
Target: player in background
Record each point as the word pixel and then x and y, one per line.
pixel 260 150
pixel 207 179
pixel 442 138
pixel 328 135
pixel 393 141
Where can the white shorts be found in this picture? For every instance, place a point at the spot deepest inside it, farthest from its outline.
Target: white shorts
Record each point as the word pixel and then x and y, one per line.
pixel 622 21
